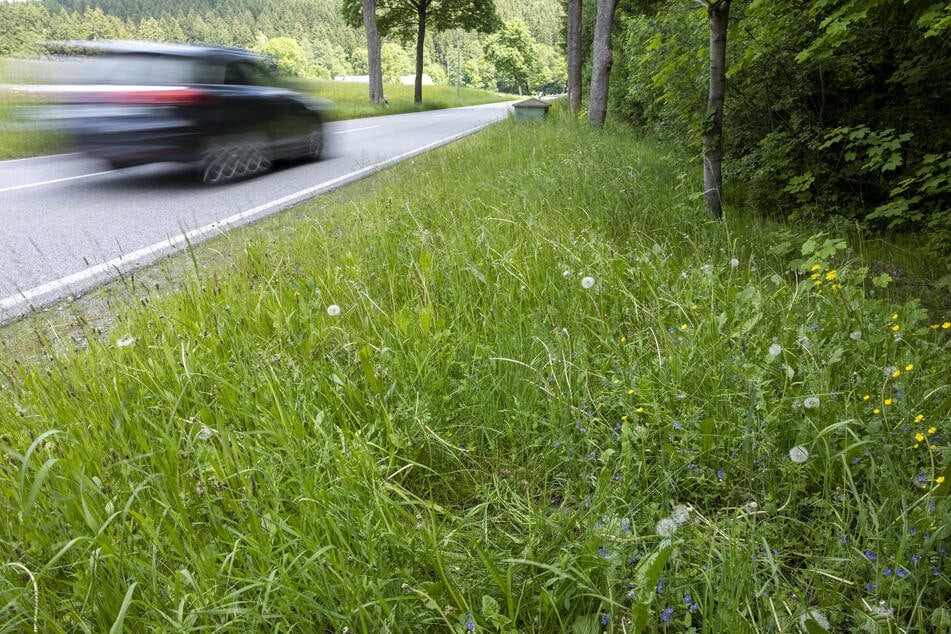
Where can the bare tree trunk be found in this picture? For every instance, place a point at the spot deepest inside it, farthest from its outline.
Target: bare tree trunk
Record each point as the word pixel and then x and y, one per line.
pixel 373 51
pixel 420 41
pixel 602 59
pixel 574 55
pixel 718 14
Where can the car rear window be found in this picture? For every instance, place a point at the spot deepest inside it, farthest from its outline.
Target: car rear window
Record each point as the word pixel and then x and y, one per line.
pixel 150 70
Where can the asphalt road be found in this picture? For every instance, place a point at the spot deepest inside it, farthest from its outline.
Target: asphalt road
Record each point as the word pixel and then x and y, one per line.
pixel 68 223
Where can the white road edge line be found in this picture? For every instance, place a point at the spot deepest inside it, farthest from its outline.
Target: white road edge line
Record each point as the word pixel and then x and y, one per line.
pixel 55 180
pixel 76 283
pixel 368 127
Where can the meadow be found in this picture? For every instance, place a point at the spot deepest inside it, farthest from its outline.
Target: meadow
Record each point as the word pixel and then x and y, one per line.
pixel 517 384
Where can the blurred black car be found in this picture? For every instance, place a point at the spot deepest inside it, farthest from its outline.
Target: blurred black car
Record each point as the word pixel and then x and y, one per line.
pixel 219 108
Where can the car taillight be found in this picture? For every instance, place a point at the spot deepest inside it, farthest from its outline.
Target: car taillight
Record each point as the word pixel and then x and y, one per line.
pixel 158 97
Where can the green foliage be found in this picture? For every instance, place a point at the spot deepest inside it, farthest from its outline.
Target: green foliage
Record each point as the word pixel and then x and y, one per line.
pixel 525 412
pixel 289 56
pixel 836 109
pixel 512 53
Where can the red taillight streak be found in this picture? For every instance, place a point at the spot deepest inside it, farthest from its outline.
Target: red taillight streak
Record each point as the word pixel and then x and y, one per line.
pixel 160 97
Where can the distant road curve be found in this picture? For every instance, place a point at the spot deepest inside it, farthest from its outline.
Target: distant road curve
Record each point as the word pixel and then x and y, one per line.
pixel 68 223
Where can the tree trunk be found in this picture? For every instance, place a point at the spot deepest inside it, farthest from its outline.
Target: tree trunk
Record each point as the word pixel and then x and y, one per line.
pixel 373 51
pixel 602 59
pixel 718 14
pixel 574 55
pixel 420 41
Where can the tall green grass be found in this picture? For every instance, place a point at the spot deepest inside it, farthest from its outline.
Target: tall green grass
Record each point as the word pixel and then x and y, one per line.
pixel 517 384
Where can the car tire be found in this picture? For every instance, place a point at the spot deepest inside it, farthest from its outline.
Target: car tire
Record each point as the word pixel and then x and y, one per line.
pixel 227 160
pixel 315 142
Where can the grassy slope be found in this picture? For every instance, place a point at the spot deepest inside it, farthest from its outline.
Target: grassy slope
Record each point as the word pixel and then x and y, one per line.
pixel 483 435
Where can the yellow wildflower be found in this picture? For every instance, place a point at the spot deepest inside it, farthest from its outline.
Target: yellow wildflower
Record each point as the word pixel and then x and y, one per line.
pixel 888 401
pixel 919 418
pixel 866 397
pixel 896 327
pixel 909 367
pixel 876 411
pixel 639 410
pixel 896 373
pixel 630 392
pixel 895 316
pixel 815 267
pixel 939 480
pixel 815 276
pixel 946 325
pixel 920 437
pixel 831 275
pixel 932 430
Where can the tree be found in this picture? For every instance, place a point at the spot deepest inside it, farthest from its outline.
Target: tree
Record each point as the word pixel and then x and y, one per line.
pixel 409 18
pixel 512 53
pixel 373 51
pixel 718 14
pixel 574 55
pixel 602 59
pixel 288 54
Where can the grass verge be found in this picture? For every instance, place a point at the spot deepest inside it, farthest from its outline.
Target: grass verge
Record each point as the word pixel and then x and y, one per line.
pixel 516 384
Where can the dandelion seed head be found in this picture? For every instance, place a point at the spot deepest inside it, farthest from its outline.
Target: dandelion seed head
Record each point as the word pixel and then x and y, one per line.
pixel 811 402
pixel 855 335
pixel 666 527
pixel 125 341
pixel 205 433
pixel 734 263
pixel 799 454
pixel 817 617
pixel 587 282
pixel 681 513
pixel 333 310
pixel 775 349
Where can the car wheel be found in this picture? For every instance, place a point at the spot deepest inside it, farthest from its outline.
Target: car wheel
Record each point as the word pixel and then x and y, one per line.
pixel 225 161
pixel 315 142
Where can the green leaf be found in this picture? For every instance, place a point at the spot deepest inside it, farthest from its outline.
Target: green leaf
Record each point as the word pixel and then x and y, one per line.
pixel 117 627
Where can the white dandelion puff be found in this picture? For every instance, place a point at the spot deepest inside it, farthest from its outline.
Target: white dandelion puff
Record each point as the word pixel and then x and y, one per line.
pixel 816 617
pixel 799 454
pixel 666 527
pixel 587 282
pixel 734 263
pixel 333 310
pixel 125 341
pixel 707 269
pixel 855 335
pixel 811 402
pixel 681 513
pixel 775 349
pixel 205 433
